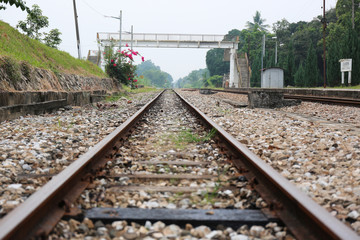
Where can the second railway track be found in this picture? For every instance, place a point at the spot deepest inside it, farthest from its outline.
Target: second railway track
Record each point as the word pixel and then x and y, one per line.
pixel 182 172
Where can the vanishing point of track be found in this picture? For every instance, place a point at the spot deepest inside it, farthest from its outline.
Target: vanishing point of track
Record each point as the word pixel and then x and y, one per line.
pixel 38 215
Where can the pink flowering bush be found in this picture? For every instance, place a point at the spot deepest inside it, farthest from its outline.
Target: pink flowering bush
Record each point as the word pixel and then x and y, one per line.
pixel 119 65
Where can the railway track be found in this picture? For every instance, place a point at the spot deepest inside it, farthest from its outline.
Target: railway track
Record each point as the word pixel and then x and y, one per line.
pixel 332 100
pixel 309 98
pixel 144 171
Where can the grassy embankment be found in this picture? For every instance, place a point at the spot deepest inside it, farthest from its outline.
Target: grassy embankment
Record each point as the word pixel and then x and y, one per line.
pixel 17 48
pixel 17 51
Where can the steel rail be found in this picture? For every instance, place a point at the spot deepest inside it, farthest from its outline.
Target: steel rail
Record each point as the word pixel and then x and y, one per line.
pixel 305 218
pixel 309 98
pixel 335 100
pixel 37 216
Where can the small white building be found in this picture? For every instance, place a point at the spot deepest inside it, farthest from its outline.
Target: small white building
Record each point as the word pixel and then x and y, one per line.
pixel 272 78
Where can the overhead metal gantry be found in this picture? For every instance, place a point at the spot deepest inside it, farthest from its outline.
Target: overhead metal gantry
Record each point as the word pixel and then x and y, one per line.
pixel 162 40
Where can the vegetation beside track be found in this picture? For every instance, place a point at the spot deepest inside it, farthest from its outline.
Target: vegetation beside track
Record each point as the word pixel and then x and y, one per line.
pixel 127 91
pixel 16 48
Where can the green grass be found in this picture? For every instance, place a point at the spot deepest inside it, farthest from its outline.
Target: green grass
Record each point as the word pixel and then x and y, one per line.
pixel 126 93
pixel 342 87
pixel 139 90
pixel 210 195
pixel 20 48
pixel 116 97
pixel 187 136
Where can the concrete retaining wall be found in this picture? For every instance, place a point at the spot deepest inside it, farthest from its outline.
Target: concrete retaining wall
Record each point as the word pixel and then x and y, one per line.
pixel 16 104
pixel 36 90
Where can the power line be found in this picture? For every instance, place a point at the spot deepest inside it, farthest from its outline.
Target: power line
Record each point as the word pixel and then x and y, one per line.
pixel 92 8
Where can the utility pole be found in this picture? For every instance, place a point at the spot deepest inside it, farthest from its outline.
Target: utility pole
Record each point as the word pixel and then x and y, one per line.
pixel 324 43
pixel 132 36
pixel 276 50
pixel 262 57
pixel 120 18
pixel 77 30
pixel 120 30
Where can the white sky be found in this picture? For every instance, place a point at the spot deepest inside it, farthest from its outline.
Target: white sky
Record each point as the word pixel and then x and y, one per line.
pixel 163 16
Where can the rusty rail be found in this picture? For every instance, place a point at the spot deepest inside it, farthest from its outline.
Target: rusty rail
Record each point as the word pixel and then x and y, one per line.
pixel 334 100
pixel 41 211
pixel 305 218
pixel 37 216
pixel 309 98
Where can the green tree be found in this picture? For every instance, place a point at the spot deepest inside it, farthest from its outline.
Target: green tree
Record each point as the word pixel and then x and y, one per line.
pixel 195 79
pixel 34 22
pixel 215 63
pixel 354 46
pixel 205 79
pixel 300 49
pixel 333 65
pixel 145 66
pixel 255 80
pixel 311 68
pixel 52 39
pixel 17 3
pixel 299 77
pixel 283 31
pixel 343 42
pixel 257 24
pixel 232 35
pixel 344 10
pixel 289 68
pixel 154 74
pixel 215 81
pixel 305 35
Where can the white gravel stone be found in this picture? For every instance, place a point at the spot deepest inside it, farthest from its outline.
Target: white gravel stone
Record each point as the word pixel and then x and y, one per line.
pixel 171 206
pixel 213 235
pixel 26 167
pixel 240 237
pixel 14 186
pixel 158 226
pixel 256 231
pixel 354 214
pixel 118 225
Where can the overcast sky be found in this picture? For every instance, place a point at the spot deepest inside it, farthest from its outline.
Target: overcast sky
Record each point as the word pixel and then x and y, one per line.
pixel 163 16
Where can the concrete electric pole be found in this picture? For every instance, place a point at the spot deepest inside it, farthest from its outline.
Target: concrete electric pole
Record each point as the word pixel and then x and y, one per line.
pixel 323 20
pixel 120 30
pixel 77 31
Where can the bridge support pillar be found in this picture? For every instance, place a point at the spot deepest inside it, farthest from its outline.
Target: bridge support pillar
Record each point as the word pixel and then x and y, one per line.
pixel 234 76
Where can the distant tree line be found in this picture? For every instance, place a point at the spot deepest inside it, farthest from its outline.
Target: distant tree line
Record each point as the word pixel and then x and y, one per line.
pixel 199 79
pixel 151 75
pixel 300 48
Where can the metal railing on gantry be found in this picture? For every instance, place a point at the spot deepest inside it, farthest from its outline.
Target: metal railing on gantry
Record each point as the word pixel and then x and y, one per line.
pixel 163 40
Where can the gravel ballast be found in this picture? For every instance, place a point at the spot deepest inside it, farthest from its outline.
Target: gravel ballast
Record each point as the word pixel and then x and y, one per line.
pixel 315 146
pixel 43 145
